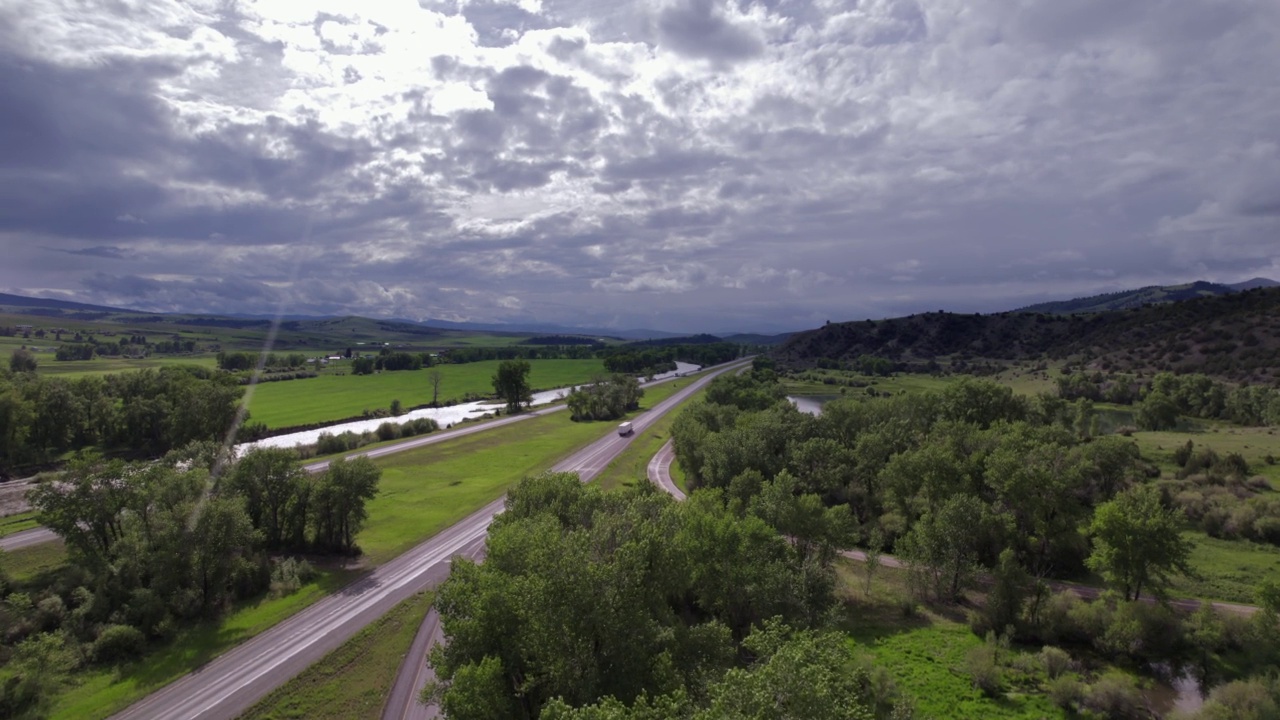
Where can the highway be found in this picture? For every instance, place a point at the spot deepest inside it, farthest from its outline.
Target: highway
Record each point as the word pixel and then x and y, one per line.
pixel 587 463
pixel 231 684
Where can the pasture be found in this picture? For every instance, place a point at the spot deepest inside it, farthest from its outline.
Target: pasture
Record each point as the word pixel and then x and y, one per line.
pixel 332 396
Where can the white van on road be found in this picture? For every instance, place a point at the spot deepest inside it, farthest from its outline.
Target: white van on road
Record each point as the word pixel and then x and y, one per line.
pixel 625 429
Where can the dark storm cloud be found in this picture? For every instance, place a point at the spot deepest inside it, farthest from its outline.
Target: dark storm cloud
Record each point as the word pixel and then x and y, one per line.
pixel 699 29
pixel 101 251
pixel 690 165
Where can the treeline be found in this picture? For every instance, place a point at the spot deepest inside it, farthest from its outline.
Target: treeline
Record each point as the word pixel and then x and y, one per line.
pixel 1167 396
pixel 957 475
pixel 144 411
pixel 518 352
pixel 605 398
pixel 973 481
pixel 637 359
pixel 628 605
pixel 155 547
pixel 240 361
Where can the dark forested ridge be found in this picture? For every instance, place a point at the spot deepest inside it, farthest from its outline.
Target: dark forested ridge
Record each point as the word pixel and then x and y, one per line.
pixel 1126 299
pixel 1234 336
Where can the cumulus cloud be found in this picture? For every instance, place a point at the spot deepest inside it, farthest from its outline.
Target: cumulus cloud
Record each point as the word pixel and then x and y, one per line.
pixel 692 165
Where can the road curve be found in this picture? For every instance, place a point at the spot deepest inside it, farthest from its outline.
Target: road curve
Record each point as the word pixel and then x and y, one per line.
pixel 233 682
pixel 587 463
pixel 659 470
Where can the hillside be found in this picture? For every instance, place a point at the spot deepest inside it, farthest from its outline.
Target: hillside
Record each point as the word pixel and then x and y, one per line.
pixel 1234 336
pixel 1126 299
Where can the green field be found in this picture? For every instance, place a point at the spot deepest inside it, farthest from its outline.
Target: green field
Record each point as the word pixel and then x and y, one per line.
pixel 1253 443
pixel 814 383
pixel 312 337
pixel 425 490
pixel 1228 569
pixel 337 397
pixel 28 563
pixel 354 680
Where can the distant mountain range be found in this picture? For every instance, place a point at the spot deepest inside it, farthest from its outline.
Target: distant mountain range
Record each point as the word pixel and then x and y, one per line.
pixel 49 307
pixel 1126 299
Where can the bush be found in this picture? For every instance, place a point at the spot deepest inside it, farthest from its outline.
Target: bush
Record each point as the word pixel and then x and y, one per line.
pixel 1056 661
pixel 388 431
pixel 1066 691
pixel 117 643
pixel 1252 699
pixel 1116 697
pixel 980 662
pixel 288 575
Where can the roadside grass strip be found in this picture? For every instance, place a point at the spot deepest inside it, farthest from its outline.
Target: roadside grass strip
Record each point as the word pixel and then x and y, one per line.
pixel 354 680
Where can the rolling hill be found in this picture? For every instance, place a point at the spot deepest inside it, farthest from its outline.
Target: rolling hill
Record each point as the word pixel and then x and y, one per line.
pixel 1234 336
pixel 1153 294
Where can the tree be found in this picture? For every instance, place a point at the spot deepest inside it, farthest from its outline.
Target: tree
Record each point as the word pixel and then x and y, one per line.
pixel 221 538
pixel 1157 412
pixel 22 361
pixel 435 376
pixel 1136 542
pixel 512 384
pixel 276 490
pixel 338 508
pixel 942 547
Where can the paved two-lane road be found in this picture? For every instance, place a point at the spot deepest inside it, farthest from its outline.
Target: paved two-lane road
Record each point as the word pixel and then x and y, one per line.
pixel 414 675
pixel 233 682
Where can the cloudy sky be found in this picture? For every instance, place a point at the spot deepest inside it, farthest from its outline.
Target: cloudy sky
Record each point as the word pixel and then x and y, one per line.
pixel 683 164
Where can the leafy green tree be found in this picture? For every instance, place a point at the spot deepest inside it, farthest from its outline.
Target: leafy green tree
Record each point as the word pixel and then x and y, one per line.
pixel 942 547
pixel 85 507
pixel 275 489
pixel 22 361
pixel 1136 542
pixel 222 540
pixel 1157 411
pixel 511 383
pixel 800 675
pixel 339 502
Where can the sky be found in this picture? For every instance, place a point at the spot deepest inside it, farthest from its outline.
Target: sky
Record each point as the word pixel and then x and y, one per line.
pixel 685 165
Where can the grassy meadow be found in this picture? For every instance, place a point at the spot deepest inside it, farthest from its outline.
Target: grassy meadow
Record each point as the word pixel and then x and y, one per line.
pixel 335 397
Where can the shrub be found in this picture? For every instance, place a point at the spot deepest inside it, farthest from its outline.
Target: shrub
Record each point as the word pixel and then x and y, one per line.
pixel 1066 691
pixel 388 431
pixel 1252 699
pixel 117 643
pixel 397 408
pixel 980 662
pixel 288 575
pixel 1056 661
pixel 1115 696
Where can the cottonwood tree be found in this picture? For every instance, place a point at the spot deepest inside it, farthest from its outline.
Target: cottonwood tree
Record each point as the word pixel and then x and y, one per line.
pixel 1137 543
pixel 511 383
pixel 338 504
